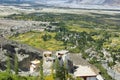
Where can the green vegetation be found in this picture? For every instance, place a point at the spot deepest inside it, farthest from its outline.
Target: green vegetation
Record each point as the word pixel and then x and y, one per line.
pixel 60 73
pixel 103 71
pixel 98 25
pixel 76 33
pixel 41 70
pixel 7 76
pixel 92 20
pixel 16 64
pixel 37 39
pixel 8 65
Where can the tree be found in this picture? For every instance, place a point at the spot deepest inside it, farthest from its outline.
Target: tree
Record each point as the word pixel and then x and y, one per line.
pixel 16 62
pixel 41 70
pixel 46 37
pixel 60 72
pixel 8 64
pixel 58 36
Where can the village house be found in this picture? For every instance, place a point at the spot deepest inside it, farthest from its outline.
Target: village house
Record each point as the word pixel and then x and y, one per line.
pixel 64 60
pixel 83 69
pixel 73 62
pixel 48 61
pixel 34 65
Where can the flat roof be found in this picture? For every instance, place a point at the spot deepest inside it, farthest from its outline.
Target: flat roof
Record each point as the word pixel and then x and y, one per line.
pixel 62 51
pixel 83 66
pixel 47 52
pixel 35 61
pixel 82 71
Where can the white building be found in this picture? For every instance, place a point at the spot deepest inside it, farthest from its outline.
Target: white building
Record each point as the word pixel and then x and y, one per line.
pixel 48 61
pixel 34 66
pixel 63 57
pixel 83 69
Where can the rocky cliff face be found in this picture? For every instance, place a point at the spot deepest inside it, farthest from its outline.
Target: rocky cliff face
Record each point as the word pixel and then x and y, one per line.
pixel 25 54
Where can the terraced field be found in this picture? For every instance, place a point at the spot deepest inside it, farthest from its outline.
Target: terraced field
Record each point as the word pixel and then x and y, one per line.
pixel 35 39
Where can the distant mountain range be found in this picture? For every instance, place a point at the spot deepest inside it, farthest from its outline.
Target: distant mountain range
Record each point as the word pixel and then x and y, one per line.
pixel 104 4
pixel 97 2
pixel 85 2
pixel 91 2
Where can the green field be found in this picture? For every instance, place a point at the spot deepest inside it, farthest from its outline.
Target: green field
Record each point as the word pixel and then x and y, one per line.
pixel 35 39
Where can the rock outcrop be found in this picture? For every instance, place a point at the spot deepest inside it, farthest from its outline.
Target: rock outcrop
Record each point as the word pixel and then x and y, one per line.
pixel 24 53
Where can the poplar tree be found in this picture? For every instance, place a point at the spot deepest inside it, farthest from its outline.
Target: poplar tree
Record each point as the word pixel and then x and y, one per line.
pixel 8 64
pixel 16 64
pixel 59 71
pixel 41 70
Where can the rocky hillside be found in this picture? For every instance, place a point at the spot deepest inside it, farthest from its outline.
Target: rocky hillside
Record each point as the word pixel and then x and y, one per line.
pixel 24 53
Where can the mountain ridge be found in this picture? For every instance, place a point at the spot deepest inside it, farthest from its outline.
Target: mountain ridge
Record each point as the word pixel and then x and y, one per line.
pixel 90 4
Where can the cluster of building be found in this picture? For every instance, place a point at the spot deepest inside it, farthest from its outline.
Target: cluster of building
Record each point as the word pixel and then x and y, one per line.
pixel 12 27
pixel 75 65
